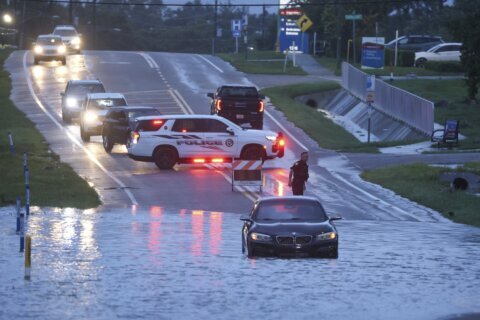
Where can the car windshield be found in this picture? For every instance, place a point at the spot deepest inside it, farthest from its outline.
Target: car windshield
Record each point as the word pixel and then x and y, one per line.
pixel 83 89
pixel 142 112
pixel 49 41
pixel 239 91
pixel 65 32
pixel 290 210
pixel 101 104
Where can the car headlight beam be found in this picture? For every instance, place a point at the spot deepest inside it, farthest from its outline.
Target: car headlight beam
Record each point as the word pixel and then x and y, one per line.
pixel 76 40
pixel 90 117
pixel 260 236
pixel 327 236
pixel 38 50
pixel 62 49
pixel 71 102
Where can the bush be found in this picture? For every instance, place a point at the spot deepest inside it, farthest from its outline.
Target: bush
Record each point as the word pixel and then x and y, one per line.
pixel 405 58
pixel 445 66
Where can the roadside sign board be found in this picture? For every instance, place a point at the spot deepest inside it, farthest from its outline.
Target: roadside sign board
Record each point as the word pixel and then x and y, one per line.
pixel 353 17
pixel 290 33
pixel 304 23
pixel 373 52
pixel 247 173
pixel 237 27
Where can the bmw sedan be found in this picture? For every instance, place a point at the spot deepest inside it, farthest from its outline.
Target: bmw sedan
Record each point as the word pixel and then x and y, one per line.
pixel 292 226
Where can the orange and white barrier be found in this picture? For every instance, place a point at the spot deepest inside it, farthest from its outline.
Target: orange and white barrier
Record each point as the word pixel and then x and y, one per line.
pixel 247 173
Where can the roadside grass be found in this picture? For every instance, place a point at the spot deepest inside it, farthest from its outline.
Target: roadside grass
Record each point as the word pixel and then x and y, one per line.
pixel 420 183
pixel 52 183
pixel 261 62
pixel 321 129
pixel 330 64
pixel 453 93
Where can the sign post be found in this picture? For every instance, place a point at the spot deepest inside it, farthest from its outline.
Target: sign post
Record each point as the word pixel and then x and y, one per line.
pixel 236 32
pixel 354 17
pixel 370 99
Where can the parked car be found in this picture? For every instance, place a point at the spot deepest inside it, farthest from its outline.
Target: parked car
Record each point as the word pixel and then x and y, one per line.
pixel 441 52
pixel 415 43
pixel 49 48
pixel 120 122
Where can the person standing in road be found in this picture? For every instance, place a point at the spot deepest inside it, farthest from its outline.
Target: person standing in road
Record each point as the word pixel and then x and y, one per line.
pixel 299 175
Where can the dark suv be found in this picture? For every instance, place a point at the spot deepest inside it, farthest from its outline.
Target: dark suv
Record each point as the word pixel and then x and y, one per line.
pixel 74 94
pixel 239 104
pixel 415 43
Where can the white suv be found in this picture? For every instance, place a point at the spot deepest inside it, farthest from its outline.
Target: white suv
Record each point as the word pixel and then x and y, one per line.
pixel 190 139
pixel 70 37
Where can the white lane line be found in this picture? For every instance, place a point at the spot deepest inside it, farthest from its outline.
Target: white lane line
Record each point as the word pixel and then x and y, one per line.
pixel 286 131
pixel 183 101
pixel 151 62
pixel 210 62
pixel 178 102
pixel 90 155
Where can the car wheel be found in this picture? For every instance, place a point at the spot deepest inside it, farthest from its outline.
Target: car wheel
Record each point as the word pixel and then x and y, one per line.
pixel 107 144
pixel 165 158
pixel 252 153
pixel 84 135
pixel 421 63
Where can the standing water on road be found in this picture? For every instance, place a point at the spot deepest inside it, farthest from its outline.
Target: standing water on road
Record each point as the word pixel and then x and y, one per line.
pixel 158 263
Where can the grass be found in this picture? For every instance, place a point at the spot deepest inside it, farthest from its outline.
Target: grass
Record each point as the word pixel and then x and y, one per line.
pixel 52 183
pixel 324 131
pixel 454 93
pixel 261 62
pixel 420 183
pixel 330 64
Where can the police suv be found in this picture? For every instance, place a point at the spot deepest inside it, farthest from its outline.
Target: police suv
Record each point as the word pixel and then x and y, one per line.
pixel 189 139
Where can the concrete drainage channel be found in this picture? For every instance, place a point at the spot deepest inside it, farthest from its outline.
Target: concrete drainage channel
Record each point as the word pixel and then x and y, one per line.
pixel 351 113
pixel 462 181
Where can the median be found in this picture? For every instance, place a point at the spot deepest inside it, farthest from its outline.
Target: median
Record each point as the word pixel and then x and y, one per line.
pixel 52 182
pixel 262 62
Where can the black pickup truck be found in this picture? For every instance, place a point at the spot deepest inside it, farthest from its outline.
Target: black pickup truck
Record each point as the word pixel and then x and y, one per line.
pixel 239 104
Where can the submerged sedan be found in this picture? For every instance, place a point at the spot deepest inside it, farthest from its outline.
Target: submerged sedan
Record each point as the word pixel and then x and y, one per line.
pixel 296 226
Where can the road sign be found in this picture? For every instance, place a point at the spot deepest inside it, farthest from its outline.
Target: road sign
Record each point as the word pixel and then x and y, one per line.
pixel 353 17
pixel 289 32
pixel 370 89
pixel 237 26
pixel 304 23
pixel 373 54
pixel 247 173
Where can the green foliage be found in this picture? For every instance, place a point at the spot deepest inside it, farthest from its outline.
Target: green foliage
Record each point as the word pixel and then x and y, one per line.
pixel 405 58
pixel 420 183
pixel 52 183
pixel 445 66
pixel 466 27
pixel 262 62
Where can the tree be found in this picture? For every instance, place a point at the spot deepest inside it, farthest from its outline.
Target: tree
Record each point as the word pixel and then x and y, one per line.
pixel 465 27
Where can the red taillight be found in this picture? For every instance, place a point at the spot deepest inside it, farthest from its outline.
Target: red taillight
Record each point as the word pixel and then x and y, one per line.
pixel 260 106
pixel 218 104
pixel 281 143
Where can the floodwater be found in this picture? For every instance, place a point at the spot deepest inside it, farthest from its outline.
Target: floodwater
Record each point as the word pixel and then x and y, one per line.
pixel 157 263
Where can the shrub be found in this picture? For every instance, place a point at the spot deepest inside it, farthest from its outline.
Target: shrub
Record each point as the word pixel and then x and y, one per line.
pixel 445 66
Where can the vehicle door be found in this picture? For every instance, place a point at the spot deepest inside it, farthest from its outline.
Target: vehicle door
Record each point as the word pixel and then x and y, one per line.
pixel 118 126
pixel 452 53
pixel 221 143
pixel 188 136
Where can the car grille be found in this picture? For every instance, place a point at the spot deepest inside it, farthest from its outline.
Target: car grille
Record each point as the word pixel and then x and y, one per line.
pixel 50 51
pixel 291 240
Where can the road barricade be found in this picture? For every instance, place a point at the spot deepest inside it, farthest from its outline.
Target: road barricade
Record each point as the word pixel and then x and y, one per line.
pixel 247 173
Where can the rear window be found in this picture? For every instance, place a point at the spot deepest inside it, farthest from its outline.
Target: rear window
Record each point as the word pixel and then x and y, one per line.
pixel 65 32
pixel 101 104
pixel 239 91
pixel 290 210
pixel 149 125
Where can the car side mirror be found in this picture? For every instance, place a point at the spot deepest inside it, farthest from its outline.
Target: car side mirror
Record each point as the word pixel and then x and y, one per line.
pixel 334 218
pixel 210 95
pixel 230 131
pixel 245 218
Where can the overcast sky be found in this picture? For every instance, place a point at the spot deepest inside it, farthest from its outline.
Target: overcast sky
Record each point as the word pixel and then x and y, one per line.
pixel 255 10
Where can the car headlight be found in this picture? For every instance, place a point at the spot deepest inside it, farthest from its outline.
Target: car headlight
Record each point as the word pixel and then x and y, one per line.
pixel 76 40
pixel 72 102
pixel 260 236
pixel 271 138
pixel 327 236
pixel 90 117
pixel 38 49
pixel 62 49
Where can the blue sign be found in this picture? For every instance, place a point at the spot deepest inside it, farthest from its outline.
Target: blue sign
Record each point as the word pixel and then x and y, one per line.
pixel 237 26
pixel 373 55
pixel 290 33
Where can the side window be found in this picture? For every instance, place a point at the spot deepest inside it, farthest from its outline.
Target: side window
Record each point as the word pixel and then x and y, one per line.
pixel 443 49
pixel 188 125
pixel 403 41
pixel 212 125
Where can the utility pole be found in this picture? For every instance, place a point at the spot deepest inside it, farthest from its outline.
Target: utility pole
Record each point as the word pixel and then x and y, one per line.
pixel 264 11
pixel 70 11
pixel 214 27
pixel 94 24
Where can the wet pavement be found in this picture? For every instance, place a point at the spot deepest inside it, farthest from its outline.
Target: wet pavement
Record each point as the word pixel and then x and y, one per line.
pixel 158 263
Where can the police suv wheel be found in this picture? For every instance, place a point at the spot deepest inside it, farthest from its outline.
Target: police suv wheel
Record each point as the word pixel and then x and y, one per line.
pixel 252 153
pixel 165 158
pixel 107 144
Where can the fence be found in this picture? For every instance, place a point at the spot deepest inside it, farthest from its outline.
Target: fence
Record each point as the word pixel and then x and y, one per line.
pixel 397 103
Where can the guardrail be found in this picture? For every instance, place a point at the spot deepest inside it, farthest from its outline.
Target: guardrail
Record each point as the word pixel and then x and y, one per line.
pixel 402 105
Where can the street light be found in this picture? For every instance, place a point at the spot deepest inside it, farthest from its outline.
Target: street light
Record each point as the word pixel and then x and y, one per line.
pixel 7 18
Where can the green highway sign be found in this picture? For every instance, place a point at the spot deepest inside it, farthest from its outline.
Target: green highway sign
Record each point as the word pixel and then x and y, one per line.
pixel 353 17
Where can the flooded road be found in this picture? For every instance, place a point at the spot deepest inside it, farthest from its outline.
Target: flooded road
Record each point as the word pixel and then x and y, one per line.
pixel 157 263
